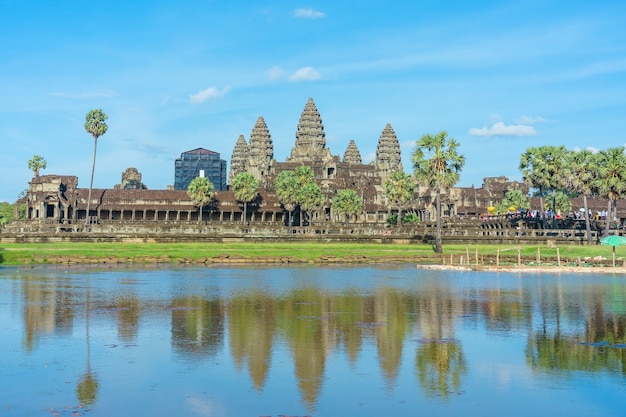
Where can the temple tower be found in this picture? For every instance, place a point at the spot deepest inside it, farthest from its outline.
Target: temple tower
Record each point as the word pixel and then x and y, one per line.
pixel 261 151
pixel 388 156
pixel 238 158
pixel 310 136
pixel 352 154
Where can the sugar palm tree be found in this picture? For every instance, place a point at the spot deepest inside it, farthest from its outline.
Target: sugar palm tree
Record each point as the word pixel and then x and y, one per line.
pixel 201 192
pixel 347 203
pixel 95 125
pixel 37 163
pixel 246 188
pixel 437 164
pixel 541 168
pixel 611 179
pixel 579 174
pixel 399 190
pixel 311 198
pixel 287 187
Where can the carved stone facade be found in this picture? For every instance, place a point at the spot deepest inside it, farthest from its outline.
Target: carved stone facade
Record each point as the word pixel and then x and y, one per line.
pixel 131 180
pixel 352 154
pixel 56 198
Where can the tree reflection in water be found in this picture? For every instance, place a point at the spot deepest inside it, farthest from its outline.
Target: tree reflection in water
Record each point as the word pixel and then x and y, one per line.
pixel 566 328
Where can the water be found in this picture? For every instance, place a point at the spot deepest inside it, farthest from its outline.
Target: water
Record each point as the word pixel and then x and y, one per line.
pixel 310 341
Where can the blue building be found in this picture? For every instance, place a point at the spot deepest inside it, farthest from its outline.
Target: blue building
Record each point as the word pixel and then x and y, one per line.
pixel 199 162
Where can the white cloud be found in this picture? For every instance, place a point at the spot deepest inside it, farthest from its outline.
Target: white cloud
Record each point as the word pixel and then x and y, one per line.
pixel 500 129
pixel 275 73
pixel 207 94
pixel 305 74
pixel 308 14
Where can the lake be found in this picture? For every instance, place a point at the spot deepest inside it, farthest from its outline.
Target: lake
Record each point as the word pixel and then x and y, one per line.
pixel 310 341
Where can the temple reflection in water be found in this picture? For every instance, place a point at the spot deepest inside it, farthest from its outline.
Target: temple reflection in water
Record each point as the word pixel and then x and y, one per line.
pixel 567 328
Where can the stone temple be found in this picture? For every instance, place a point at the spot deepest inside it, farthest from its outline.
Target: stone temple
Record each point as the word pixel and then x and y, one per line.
pixel 57 198
pixel 331 171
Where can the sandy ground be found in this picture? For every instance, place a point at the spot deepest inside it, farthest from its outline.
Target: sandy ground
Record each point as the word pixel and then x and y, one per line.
pixel 532 269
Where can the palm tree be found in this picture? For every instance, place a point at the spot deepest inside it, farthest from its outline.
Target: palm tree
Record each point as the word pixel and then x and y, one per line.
pixel 37 163
pixel 579 175
pixel 287 188
pixel 399 190
pixel 201 192
pixel 541 168
pixel 96 126
pixel 311 198
pixel 437 164
pixel 611 179
pixel 246 188
pixel 347 203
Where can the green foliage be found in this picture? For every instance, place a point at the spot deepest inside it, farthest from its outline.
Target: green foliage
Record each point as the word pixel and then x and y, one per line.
pixel 95 123
pixel 201 192
pixel 245 187
pixel 36 164
pixel 298 188
pixel 515 199
pixel 6 212
pixel 437 164
pixel 409 218
pixel 399 189
pixel 347 203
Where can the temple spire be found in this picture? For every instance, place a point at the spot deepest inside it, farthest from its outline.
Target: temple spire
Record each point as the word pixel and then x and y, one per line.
pixel 261 150
pixel 238 158
pixel 388 156
pixel 352 154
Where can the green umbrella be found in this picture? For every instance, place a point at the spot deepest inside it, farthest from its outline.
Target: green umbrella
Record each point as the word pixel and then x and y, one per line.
pixel 613 240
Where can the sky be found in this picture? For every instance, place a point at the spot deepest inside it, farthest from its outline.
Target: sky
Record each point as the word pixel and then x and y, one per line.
pixel 498 76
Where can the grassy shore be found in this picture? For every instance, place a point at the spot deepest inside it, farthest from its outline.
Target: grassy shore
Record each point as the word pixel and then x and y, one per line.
pixel 312 252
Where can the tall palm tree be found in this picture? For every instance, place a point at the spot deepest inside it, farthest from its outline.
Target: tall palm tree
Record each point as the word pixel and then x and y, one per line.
pixel 311 199
pixel 307 185
pixel 611 179
pixel 246 188
pixel 201 192
pixel 95 125
pixel 287 188
pixel 347 203
pixel 399 190
pixel 437 164
pixel 579 174
pixel 541 168
pixel 37 163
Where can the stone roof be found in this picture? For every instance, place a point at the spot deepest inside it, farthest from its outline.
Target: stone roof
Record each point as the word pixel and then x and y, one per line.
pixel 352 154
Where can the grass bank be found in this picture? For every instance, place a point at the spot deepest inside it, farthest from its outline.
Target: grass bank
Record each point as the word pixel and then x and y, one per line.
pixel 16 254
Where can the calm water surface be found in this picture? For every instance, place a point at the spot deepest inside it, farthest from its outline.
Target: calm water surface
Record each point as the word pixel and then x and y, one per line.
pixel 310 341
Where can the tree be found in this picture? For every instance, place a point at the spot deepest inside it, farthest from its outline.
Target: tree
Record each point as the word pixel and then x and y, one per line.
pixel 347 203
pixel 37 163
pixel 579 175
pixel 311 198
pixel 513 198
pixel 96 126
pixel 246 188
pixel 541 168
pixel 201 192
pixel 611 180
pixel 399 190
pixel 437 164
pixel 287 187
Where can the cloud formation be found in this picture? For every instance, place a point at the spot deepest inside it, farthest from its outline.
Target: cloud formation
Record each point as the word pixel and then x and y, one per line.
pixel 275 73
pixel 308 14
pixel 305 74
pixel 207 94
pixel 500 129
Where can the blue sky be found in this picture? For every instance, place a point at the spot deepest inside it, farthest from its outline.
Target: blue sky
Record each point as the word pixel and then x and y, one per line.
pixel 499 76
